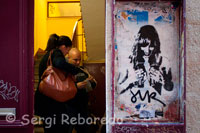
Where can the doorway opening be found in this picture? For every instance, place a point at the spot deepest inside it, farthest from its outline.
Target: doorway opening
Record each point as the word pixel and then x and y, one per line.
pixel 65 17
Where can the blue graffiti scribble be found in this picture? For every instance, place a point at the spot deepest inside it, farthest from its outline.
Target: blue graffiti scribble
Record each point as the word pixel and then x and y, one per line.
pixel 138 107
pixel 145 114
pixel 137 16
pixel 159 19
pixel 115 46
pixel 170 17
pixel 167 19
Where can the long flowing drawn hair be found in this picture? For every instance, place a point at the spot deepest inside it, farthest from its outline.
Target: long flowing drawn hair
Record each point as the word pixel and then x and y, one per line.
pixel 145 32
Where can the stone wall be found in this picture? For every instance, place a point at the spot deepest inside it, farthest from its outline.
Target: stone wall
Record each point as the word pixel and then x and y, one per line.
pixel 193 66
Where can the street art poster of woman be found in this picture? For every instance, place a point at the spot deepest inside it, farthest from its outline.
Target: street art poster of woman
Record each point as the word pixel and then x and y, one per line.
pixel 146 62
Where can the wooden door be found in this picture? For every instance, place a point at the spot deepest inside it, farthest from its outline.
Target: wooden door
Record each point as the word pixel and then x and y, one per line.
pixel 16 69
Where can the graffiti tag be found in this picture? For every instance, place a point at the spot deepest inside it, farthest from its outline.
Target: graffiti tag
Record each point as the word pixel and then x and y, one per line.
pixel 147 94
pixel 7 91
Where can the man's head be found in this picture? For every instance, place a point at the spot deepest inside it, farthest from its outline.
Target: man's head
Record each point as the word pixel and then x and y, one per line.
pixel 74 57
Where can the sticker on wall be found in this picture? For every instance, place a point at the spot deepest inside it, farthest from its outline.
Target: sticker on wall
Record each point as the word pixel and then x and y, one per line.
pixel 146 61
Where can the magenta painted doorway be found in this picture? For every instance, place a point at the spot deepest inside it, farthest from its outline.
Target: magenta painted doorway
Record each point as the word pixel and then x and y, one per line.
pixel 16 69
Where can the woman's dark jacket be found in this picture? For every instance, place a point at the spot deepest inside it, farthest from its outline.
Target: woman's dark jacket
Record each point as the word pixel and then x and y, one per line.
pixel 44 105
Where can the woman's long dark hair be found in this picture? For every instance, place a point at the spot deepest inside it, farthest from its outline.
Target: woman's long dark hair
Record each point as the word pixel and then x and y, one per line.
pixel 55 41
pixel 147 31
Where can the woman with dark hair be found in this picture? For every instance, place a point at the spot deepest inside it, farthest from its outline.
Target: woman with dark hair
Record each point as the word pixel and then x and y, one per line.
pixel 147 45
pixel 150 82
pixel 147 60
pixel 48 109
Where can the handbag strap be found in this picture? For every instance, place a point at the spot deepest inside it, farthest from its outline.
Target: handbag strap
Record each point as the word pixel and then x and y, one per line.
pixel 86 72
pixel 49 61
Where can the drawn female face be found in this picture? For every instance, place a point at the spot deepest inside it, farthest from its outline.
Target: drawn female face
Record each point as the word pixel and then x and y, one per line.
pixel 146 47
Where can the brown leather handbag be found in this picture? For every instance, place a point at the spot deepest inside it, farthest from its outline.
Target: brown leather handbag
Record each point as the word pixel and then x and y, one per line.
pixel 56 85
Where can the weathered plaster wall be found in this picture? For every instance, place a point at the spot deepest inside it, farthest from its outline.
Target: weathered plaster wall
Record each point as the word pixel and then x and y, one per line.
pixel 193 66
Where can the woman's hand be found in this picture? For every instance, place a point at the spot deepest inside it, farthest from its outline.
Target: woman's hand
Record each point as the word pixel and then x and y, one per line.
pixel 141 77
pixel 140 74
pixel 155 76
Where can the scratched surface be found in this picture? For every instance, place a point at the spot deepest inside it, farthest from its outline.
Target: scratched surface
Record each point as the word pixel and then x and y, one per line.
pixel 147 86
pixel 145 129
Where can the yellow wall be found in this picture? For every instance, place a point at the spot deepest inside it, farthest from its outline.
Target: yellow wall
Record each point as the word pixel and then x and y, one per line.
pixel 45 26
pixel 40 26
pixel 81 36
pixel 61 26
pixel 62 0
